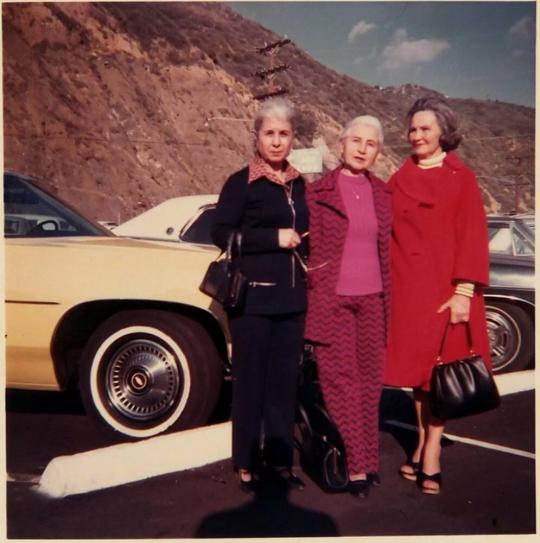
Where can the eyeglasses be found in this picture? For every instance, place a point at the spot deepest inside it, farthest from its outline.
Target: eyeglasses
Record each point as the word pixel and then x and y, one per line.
pixel 304 266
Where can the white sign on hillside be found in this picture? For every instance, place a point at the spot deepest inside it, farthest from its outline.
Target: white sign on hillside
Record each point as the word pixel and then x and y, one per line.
pixel 306 160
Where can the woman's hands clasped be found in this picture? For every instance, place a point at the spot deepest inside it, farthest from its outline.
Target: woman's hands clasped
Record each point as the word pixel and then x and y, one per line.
pixel 288 238
pixel 460 308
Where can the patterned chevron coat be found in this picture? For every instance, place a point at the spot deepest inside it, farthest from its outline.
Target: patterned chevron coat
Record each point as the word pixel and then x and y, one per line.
pixel 328 229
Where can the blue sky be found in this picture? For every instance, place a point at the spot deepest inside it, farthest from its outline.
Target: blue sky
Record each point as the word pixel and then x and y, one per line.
pixel 462 49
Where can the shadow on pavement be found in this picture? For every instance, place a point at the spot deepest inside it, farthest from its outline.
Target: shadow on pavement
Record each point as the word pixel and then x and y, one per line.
pixel 40 401
pixel 268 514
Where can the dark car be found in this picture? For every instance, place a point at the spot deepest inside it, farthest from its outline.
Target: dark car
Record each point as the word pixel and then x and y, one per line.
pixel 510 295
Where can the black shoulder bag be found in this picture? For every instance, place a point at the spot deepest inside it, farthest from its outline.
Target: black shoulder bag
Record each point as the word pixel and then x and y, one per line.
pixel 223 280
pixel 462 387
pixel 322 452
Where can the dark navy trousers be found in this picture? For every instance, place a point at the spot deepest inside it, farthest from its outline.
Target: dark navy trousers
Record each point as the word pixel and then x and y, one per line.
pixel 266 354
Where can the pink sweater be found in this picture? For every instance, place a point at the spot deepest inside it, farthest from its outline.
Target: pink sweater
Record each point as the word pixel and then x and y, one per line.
pixel 360 272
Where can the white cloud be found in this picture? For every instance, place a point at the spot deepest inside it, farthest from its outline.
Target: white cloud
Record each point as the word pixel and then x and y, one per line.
pixel 522 29
pixel 403 51
pixel 360 28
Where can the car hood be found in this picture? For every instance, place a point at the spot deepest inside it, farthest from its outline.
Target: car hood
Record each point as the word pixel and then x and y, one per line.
pixel 105 242
pixel 512 272
pixel 73 270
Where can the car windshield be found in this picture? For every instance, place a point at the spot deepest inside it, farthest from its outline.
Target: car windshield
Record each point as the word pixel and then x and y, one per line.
pixel 198 230
pixel 529 221
pixel 510 239
pixel 31 212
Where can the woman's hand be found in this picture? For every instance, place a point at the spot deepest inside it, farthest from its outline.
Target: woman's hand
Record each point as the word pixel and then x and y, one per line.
pixel 460 308
pixel 288 238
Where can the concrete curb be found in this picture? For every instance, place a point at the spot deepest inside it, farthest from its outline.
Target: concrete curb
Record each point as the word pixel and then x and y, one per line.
pixel 129 462
pixel 519 381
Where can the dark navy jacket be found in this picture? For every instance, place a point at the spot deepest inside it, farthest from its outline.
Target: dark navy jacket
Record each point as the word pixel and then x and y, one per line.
pixel 258 210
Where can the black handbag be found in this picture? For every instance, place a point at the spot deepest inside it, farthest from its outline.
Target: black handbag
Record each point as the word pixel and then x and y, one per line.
pixel 462 387
pixel 322 452
pixel 322 456
pixel 223 280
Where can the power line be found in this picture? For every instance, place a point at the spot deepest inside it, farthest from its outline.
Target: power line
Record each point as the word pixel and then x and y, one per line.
pixel 468 140
pixel 208 119
pixel 202 144
pixel 102 140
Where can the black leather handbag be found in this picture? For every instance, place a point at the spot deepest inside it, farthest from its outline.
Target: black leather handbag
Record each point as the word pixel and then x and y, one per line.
pixel 322 455
pixel 223 280
pixel 462 387
pixel 322 452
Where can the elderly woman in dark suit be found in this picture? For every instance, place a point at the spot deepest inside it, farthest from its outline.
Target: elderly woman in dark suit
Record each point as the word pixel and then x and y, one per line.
pixel 440 264
pixel 349 294
pixel 265 201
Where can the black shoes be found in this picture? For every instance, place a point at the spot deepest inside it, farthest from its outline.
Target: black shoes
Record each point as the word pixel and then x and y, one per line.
pixel 373 478
pixel 249 487
pixel 289 479
pixel 436 478
pixel 278 477
pixel 359 488
pixel 412 475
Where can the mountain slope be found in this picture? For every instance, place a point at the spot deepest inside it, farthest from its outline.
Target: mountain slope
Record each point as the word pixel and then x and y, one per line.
pixel 119 106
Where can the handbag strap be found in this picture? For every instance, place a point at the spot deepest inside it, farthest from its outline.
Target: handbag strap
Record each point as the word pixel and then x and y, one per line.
pixel 469 340
pixel 234 242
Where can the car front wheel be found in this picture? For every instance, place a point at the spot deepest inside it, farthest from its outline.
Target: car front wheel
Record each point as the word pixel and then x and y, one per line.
pixel 511 336
pixel 146 371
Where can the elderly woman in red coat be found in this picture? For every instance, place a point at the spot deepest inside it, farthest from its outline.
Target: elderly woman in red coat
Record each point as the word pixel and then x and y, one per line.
pixel 439 265
pixel 348 294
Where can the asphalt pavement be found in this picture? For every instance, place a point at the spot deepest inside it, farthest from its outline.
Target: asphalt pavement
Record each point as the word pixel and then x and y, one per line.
pixel 488 484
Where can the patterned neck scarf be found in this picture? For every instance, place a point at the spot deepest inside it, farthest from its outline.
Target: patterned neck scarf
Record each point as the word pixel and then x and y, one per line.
pixel 260 168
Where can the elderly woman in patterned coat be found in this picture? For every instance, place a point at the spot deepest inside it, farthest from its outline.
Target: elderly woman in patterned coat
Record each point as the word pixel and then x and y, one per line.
pixel 348 294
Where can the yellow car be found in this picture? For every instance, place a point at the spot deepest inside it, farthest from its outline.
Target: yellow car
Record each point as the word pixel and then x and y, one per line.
pixel 122 318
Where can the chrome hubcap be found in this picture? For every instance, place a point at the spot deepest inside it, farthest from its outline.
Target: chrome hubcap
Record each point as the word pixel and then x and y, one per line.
pixel 142 380
pixel 503 338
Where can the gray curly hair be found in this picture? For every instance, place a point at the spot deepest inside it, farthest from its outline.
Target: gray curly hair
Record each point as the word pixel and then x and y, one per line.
pixel 367 120
pixel 275 107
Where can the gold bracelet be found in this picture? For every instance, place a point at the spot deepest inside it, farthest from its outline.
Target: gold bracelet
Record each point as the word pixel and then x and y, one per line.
pixel 465 289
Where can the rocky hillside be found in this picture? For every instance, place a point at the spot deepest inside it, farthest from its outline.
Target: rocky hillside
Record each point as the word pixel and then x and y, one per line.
pixel 119 106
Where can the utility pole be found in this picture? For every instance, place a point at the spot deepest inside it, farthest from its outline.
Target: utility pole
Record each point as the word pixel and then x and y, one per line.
pixel 268 74
pixel 517 186
pixel 517 161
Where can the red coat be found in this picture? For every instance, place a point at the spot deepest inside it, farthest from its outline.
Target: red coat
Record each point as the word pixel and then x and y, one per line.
pixel 439 237
pixel 328 226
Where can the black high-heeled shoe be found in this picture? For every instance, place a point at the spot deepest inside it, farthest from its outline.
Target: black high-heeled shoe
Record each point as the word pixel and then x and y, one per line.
pixel 373 478
pixel 359 488
pixel 250 486
pixel 290 479
pixel 410 476
pixel 436 478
